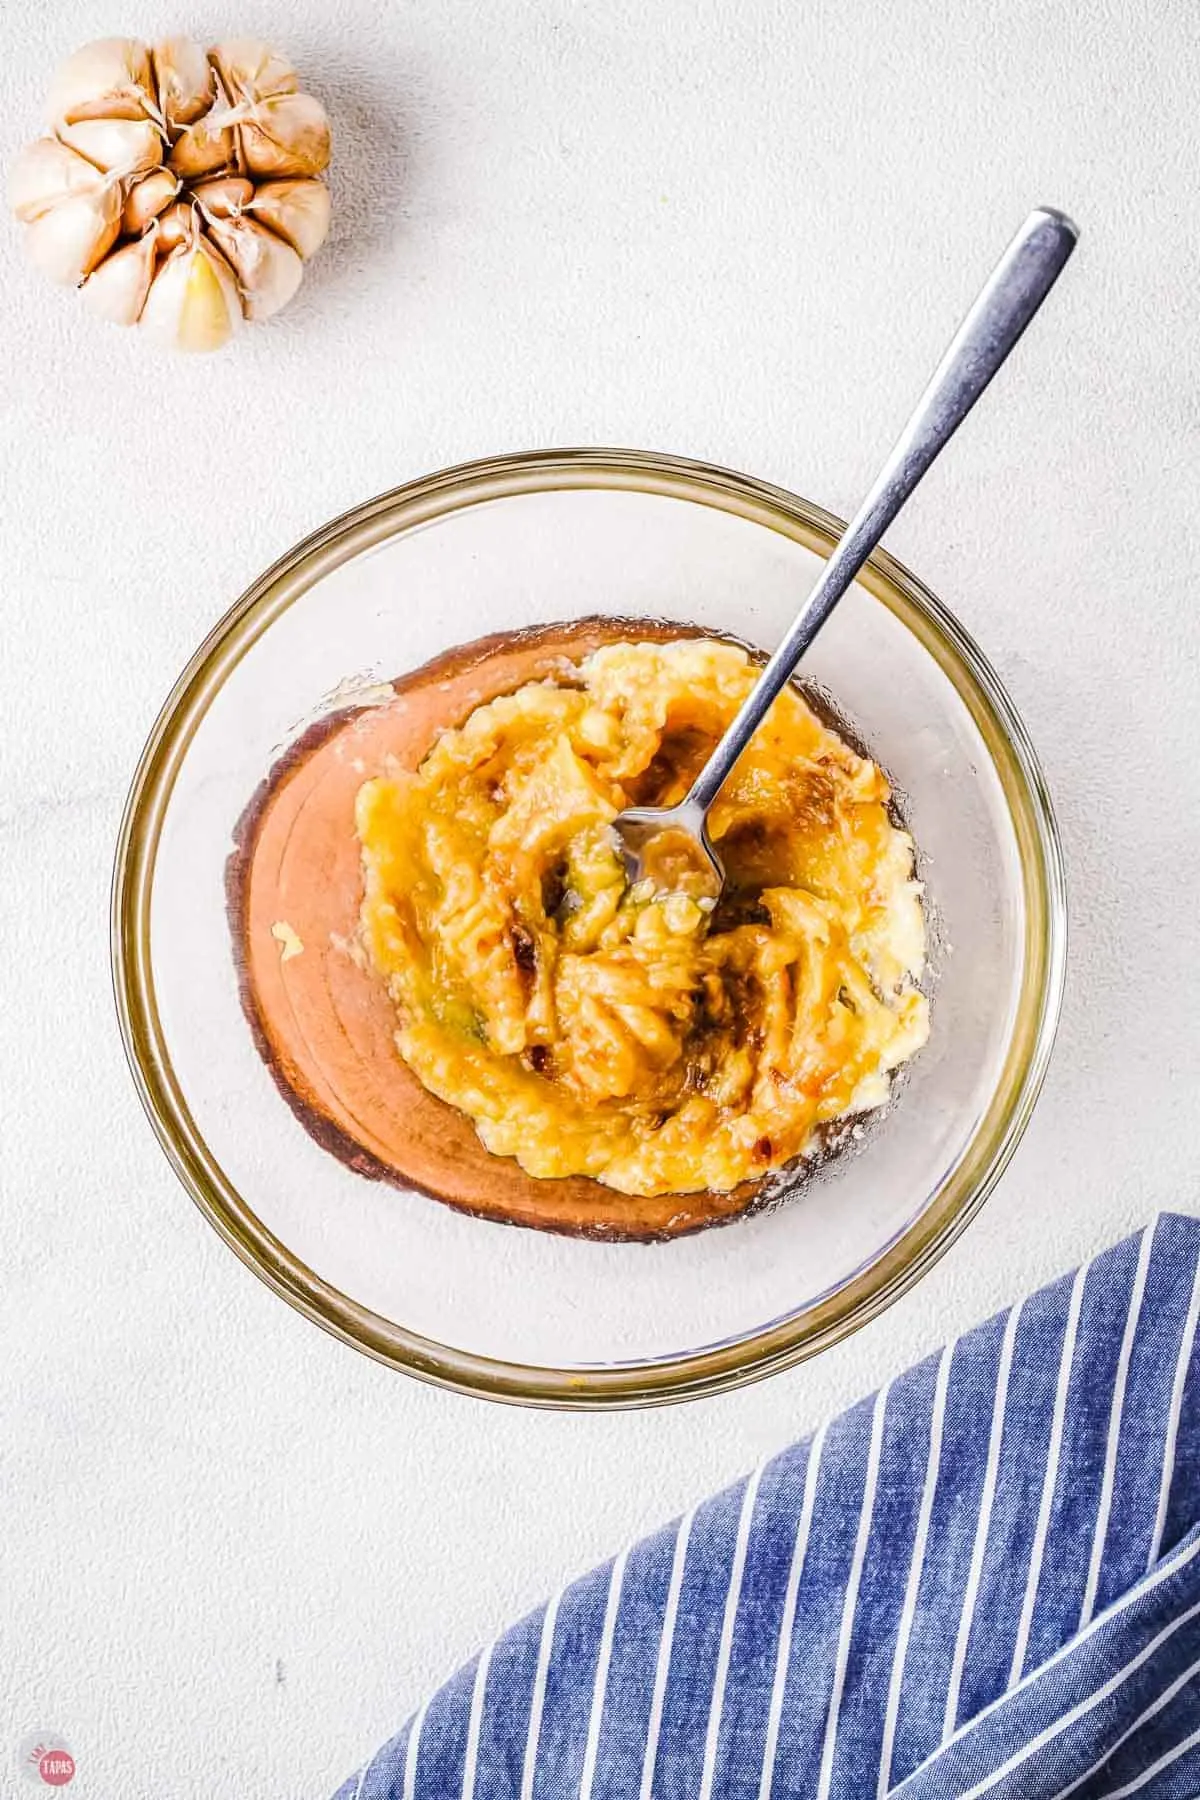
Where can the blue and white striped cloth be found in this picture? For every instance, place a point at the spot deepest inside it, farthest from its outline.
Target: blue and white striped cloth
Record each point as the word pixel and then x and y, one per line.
pixel 985 1580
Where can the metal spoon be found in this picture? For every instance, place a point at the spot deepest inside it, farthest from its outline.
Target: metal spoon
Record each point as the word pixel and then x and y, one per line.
pixel 1014 291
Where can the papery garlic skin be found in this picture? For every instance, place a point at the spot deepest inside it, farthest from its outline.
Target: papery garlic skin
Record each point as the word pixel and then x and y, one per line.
pixel 117 290
pixel 268 270
pixel 297 210
pixel 108 79
pixel 183 80
pixel 175 227
pixel 286 134
pixel 251 69
pixel 70 239
pixel 179 188
pixel 146 199
pixel 205 148
pixel 45 173
pixel 118 146
pixel 224 196
pixel 193 303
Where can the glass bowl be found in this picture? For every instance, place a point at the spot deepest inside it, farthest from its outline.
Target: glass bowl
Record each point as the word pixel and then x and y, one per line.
pixel 518 1314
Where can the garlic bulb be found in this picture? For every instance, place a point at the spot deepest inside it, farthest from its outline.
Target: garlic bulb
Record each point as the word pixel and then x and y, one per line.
pixel 180 188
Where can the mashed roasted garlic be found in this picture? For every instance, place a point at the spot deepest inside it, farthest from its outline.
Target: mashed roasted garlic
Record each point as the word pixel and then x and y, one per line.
pixel 644 1039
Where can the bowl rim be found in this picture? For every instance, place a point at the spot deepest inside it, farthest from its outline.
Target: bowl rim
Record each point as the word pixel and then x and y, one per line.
pixel 772 1347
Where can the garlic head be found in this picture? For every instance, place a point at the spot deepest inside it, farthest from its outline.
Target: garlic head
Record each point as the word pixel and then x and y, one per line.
pixel 178 187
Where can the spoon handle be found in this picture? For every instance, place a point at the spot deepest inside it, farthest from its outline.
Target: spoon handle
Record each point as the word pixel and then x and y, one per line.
pixel 1014 291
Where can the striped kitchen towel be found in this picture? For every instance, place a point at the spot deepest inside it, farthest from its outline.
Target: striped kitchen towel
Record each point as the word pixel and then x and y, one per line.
pixel 985 1580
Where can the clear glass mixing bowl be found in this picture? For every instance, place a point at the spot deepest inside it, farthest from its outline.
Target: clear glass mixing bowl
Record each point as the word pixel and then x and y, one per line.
pixel 519 1314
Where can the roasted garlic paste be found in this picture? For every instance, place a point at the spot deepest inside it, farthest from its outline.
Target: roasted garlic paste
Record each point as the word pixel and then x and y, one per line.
pixel 646 1039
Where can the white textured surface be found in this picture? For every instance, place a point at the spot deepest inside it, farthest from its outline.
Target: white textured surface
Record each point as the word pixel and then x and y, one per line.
pixel 233 1553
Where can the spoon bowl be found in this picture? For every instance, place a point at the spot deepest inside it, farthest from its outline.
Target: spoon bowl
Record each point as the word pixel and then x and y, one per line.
pixel 669 847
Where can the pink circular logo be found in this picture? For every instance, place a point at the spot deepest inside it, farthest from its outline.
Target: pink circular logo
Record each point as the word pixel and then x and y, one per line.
pixel 45 1760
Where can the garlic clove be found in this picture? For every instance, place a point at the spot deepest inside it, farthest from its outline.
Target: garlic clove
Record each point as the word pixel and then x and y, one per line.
pixel 146 199
pixel 223 197
pixel 183 80
pixel 176 226
pixel 118 146
pixel 107 79
pixel 205 147
pixel 297 211
pixel 250 68
pixel 46 172
pixel 286 134
pixel 117 289
pixel 193 300
pixel 268 270
pixel 68 240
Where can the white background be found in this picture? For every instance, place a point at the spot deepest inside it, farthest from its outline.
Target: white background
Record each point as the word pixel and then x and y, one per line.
pixel 233 1553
